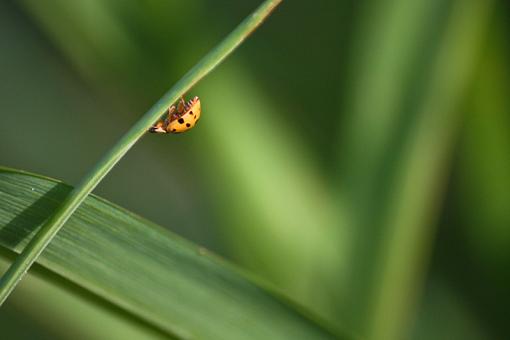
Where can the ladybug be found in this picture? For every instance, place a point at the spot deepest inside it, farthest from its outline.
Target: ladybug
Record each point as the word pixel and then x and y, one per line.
pixel 180 118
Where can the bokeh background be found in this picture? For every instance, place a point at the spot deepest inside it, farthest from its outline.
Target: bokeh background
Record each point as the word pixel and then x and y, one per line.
pixel 355 154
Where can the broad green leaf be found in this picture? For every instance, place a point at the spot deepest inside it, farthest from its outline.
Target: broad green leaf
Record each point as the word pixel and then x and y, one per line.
pixel 166 281
pixel 25 313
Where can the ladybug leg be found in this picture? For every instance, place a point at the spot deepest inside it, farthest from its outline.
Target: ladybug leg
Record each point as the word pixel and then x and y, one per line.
pixel 180 106
pixel 172 115
pixel 170 112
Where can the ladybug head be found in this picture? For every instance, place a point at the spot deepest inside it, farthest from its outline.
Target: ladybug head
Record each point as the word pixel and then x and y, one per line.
pixel 158 128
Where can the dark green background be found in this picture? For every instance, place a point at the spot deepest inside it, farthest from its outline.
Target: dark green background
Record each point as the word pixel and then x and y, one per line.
pixel 286 174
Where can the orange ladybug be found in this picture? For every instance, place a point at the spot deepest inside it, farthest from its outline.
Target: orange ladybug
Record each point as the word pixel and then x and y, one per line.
pixel 180 118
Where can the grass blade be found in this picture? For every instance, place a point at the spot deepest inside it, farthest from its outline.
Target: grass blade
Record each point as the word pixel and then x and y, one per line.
pixel 384 55
pixel 22 263
pixel 397 149
pixel 419 179
pixel 52 295
pixel 288 239
pixel 136 265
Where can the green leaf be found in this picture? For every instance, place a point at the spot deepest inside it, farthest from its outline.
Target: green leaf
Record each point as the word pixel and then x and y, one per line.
pixel 415 174
pixel 43 294
pixel 166 281
pixel 290 237
pixel 399 146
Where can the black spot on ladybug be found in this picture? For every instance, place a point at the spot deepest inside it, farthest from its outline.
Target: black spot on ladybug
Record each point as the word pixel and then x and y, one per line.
pixel 173 130
pixel 181 120
pixel 191 112
pixel 188 124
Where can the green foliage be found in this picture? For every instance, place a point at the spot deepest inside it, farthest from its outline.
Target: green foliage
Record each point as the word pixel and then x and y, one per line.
pixel 14 274
pixel 353 154
pixel 169 283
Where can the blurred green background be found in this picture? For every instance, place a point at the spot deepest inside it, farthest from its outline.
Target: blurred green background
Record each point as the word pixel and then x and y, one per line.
pixel 355 154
